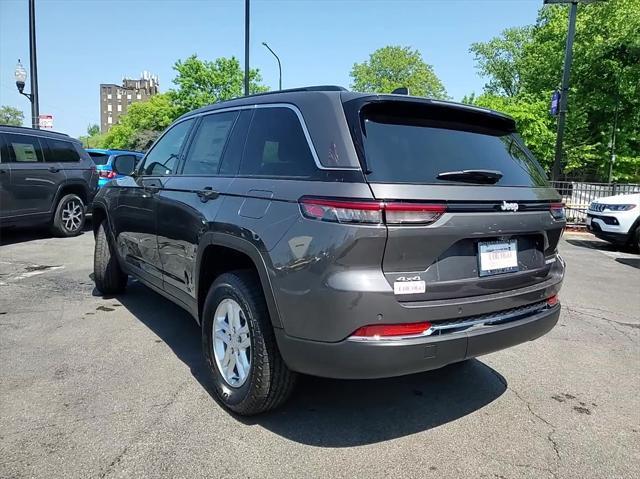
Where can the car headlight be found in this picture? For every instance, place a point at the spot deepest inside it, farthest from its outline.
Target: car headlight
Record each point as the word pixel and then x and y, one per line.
pixel 619 207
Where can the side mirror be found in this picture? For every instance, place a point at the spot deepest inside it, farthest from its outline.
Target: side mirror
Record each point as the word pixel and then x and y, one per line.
pixel 124 165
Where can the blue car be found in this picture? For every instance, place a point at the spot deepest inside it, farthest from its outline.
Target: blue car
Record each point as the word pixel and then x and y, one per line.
pixel 104 160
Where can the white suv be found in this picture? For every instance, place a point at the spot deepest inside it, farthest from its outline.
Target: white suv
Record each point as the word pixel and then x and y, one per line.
pixel 616 219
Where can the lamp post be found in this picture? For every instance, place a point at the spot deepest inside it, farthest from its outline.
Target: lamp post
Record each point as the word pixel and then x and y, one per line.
pixel 247 8
pixel 279 65
pixel 21 77
pixel 564 92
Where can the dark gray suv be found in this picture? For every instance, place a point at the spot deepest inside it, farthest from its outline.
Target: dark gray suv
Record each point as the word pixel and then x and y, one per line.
pixel 337 234
pixel 45 178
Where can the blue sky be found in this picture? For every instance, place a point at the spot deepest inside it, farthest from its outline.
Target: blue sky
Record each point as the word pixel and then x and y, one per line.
pixel 82 43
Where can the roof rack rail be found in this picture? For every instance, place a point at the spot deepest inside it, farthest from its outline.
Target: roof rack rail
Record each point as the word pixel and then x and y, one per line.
pixel 299 89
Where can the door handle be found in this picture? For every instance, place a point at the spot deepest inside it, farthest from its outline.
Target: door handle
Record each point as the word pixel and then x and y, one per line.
pixel 207 194
pixel 2 172
pixel 151 189
pixel 53 169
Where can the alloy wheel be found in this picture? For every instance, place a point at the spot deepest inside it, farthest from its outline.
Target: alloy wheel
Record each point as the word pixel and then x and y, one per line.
pixel 231 342
pixel 72 215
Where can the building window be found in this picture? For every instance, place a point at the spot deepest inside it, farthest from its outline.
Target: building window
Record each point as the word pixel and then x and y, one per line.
pixel 128 96
pixel 109 120
pixel 119 95
pixel 139 96
pixel 119 107
pixel 108 96
pixel 109 107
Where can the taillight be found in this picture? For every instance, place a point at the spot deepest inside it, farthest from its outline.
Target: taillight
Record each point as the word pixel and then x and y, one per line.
pixel 553 300
pixel 378 331
pixel 557 211
pixel 109 174
pixel 370 212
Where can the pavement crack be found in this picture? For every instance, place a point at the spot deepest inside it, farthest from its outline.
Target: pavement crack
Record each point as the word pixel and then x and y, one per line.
pixel 552 441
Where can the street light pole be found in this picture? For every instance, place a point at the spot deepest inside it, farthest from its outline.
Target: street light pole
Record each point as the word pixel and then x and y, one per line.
pixel 564 92
pixel 35 106
pixel 246 47
pixel 279 65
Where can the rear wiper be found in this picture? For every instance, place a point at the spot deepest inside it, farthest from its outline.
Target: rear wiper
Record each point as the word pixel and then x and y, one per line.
pixel 484 177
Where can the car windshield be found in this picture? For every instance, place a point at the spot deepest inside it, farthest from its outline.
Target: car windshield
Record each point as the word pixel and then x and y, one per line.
pixel 99 158
pixel 405 149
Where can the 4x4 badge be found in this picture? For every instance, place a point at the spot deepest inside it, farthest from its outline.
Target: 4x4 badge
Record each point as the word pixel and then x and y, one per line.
pixel 509 206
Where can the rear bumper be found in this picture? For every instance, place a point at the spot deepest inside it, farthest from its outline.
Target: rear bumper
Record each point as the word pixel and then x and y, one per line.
pixel 377 359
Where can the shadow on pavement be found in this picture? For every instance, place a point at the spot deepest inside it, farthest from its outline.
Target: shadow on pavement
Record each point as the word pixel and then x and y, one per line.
pixel 595 244
pixel 14 235
pixel 335 413
pixel 633 262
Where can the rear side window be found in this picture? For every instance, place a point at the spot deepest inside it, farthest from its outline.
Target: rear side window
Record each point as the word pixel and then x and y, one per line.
pixel 208 143
pixel 99 158
pixel 164 156
pixel 276 146
pixel 23 148
pixel 61 151
pixel 414 149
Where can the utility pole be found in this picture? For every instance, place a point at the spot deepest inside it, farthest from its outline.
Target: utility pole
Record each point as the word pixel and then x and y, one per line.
pixel 35 107
pixel 246 47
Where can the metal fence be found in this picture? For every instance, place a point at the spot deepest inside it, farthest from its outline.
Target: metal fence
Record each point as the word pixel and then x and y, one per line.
pixel 578 195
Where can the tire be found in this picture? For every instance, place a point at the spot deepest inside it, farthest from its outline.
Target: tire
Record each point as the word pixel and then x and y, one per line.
pixel 107 274
pixel 635 244
pixel 69 217
pixel 268 382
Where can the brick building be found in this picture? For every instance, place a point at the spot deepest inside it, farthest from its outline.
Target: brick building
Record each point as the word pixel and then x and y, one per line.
pixel 115 99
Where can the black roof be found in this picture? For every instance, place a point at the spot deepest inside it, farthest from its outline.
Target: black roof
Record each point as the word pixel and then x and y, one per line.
pixel 33 131
pixel 290 96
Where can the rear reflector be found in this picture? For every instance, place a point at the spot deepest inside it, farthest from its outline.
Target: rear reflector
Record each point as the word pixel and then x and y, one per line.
pixel 553 300
pixel 370 212
pixel 389 330
pixel 109 174
pixel 557 211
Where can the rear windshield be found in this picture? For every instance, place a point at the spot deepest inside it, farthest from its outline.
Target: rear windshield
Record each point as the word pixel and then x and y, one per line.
pixel 99 158
pixel 416 149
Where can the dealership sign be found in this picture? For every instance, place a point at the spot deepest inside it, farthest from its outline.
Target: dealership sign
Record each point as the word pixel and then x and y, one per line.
pixel 45 121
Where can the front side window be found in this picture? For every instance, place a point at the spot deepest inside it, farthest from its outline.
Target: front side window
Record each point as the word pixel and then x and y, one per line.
pixel 164 156
pixel 207 146
pixel 61 151
pixel 23 148
pixel 276 146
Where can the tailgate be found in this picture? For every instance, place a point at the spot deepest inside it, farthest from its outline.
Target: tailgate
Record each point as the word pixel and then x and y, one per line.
pixel 493 193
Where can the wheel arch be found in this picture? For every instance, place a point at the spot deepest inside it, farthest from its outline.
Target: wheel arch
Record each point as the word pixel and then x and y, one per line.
pixel 237 253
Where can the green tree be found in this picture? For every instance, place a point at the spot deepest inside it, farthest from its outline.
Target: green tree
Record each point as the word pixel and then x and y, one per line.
pixel 93 129
pixel 155 114
pixel 11 116
pixel 202 82
pixel 393 67
pixel 501 60
pixel 526 65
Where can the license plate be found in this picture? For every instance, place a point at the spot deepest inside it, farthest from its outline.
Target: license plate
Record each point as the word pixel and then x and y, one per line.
pixel 497 257
pixel 588 221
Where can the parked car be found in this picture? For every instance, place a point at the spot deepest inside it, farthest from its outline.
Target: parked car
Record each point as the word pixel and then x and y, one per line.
pixel 104 162
pixel 45 178
pixel 337 234
pixel 616 219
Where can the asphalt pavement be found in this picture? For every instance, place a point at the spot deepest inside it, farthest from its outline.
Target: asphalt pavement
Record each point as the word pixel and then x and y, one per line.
pixel 116 387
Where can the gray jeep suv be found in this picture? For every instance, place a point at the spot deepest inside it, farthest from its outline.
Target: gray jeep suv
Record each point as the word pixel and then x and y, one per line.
pixel 46 178
pixel 337 234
